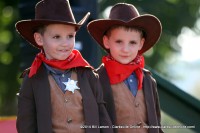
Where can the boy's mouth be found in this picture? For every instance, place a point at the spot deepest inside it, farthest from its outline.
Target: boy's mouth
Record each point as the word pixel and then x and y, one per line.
pixel 124 56
pixel 63 50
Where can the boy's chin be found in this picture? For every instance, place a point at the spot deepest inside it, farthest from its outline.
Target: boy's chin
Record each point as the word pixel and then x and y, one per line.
pixel 124 62
pixel 60 58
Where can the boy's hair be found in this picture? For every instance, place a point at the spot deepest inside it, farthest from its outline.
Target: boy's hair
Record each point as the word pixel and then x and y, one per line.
pixel 127 28
pixel 41 29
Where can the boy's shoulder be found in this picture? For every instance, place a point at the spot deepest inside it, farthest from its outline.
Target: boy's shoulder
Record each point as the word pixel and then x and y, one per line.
pixel 148 75
pixel 146 71
pixel 25 72
pixel 83 69
pixel 101 69
pixel 87 70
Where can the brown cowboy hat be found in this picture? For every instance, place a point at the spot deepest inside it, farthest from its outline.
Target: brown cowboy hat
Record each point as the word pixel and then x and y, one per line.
pixel 48 12
pixel 127 15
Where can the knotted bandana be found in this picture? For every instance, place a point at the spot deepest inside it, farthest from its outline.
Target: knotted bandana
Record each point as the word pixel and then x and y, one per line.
pixel 118 72
pixel 75 59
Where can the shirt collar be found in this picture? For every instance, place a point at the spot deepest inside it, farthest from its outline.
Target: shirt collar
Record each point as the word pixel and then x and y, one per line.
pixel 55 71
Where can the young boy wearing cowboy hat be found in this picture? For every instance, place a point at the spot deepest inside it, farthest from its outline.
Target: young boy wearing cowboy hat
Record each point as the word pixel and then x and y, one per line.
pixel 129 90
pixel 60 91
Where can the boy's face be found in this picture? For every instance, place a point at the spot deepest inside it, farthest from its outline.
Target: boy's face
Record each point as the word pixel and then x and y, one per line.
pixel 123 44
pixel 58 41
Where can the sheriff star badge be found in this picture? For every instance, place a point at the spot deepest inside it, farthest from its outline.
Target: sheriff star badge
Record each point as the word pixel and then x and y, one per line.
pixel 70 85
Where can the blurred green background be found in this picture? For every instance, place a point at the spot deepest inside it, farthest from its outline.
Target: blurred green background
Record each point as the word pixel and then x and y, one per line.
pixel 177 17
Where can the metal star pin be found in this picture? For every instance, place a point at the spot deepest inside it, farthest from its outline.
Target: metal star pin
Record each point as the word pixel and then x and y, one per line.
pixel 70 85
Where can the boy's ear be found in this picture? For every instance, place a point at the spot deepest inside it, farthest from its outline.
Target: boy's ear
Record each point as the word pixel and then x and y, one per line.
pixel 38 38
pixel 105 42
pixel 142 43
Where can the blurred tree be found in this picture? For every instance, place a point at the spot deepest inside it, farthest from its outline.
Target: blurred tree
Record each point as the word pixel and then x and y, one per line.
pixel 9 59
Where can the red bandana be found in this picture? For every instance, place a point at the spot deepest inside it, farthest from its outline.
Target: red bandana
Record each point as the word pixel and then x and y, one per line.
pixel 118 72
pixel 75 59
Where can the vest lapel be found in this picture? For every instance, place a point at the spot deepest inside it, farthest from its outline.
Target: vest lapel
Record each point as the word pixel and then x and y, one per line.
pixel 149 99
pixel 42 100
pixel 89 102
pixel 107 93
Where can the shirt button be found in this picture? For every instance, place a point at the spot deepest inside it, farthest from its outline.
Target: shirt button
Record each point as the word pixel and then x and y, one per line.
pixel 137 104
pixel 63 75
pixel 131 80
pixel 66 100
pixel 139 123
pixel 69 120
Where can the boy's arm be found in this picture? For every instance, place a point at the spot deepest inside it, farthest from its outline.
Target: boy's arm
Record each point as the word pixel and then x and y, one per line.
pixel 26 116
pixel 157 103
pixel 103 114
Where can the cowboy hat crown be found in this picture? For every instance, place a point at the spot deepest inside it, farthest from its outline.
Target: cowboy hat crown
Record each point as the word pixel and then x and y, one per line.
pixel 124 14
pixel 127 12
pixel 48 12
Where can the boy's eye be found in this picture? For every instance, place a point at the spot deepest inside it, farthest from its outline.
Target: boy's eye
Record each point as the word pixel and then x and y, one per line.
pixel 56 37
pixel 133 42
pixel 118 41
pixel 70 36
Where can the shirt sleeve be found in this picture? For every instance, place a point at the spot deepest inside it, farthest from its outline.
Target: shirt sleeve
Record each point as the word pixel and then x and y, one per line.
pixel 26 116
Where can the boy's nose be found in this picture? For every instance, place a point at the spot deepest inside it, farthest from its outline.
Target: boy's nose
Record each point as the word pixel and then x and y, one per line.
pixel 65 42
pixel 125 49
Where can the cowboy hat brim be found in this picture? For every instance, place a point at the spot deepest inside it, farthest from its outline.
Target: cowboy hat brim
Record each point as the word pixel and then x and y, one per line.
pixel 149 23
pixel 26 28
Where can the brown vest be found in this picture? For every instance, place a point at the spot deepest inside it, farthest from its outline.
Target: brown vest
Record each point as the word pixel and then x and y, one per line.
pixel 67 109
pixel 131 113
